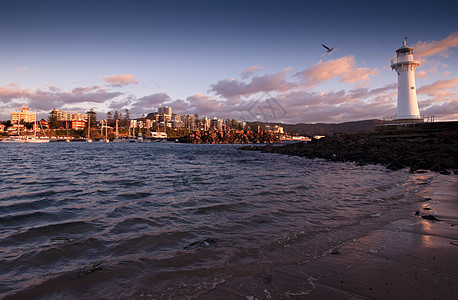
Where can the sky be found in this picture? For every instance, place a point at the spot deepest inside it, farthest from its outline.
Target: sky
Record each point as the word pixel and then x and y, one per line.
pixel 244 60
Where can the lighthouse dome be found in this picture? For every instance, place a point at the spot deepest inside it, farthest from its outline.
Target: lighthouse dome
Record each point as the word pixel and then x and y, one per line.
pixel 404 48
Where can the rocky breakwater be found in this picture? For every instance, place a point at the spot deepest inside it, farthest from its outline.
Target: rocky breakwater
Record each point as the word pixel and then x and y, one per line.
pixel 436 152
pixel 230 137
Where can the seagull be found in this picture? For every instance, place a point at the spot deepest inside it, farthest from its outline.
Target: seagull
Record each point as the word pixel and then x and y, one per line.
pixel 327 48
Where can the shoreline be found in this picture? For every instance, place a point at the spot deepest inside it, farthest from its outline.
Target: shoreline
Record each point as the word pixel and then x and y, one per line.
pixel 418 152
pixel 419 260
pixel 411 258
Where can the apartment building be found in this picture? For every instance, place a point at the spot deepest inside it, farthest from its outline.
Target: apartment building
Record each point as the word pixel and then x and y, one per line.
pixel 23 116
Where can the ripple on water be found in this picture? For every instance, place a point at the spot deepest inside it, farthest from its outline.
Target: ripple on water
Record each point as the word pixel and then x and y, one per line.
pixel 144 211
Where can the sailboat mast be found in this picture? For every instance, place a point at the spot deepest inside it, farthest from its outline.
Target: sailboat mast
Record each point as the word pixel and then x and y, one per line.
pixel 89 127
pixel 35 125
pixel 117 134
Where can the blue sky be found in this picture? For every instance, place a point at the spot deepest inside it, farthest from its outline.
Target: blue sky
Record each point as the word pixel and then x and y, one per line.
pixel 218 58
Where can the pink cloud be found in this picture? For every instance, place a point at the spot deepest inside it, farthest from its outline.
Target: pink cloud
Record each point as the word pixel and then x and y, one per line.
pixel 343 68
pixel 52 97
pixel 425 49
pixel 148 103
pixel 21 69
pixel 85 89
pixel 442 88
pixel 120 80
pixel 233 89
pixel 249 71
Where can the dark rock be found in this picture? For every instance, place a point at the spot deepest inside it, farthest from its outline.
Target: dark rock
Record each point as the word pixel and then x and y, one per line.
pixel 267 280
pixel 430 218
pixel 418 153
pixel 395 165
pixel 335 251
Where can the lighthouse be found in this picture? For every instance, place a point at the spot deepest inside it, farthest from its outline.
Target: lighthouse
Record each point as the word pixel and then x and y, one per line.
pixel 405 64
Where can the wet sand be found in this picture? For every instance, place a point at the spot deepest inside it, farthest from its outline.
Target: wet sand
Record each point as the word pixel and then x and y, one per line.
pixel 414 258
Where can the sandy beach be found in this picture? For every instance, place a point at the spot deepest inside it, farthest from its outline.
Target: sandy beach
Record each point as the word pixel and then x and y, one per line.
pixel 412 258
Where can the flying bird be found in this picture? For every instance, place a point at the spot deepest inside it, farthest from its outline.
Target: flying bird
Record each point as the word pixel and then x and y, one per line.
pixel 329 50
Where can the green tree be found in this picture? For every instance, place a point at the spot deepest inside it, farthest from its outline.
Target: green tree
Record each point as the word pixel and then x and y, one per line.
pixel 126 120
pixel 110 121
pixel 121 120
pixel 116 116
pixel 53 122
pixel 93 116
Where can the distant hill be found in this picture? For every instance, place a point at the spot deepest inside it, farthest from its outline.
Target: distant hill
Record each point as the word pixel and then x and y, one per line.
pixel 330 129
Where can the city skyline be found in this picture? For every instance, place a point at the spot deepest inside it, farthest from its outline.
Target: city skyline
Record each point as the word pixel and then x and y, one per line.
pixel 217 61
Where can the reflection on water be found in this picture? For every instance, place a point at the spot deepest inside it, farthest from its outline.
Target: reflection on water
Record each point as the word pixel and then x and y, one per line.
pixel 172 220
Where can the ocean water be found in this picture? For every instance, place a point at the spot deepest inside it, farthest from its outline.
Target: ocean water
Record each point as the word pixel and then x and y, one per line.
pixel 166 220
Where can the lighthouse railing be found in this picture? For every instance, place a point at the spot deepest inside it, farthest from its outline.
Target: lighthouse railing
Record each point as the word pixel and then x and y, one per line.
pixel 405 58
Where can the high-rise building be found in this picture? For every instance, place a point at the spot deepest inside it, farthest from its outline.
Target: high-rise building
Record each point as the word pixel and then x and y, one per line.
pixel 23 116
pixel 165 110
pixel 59 114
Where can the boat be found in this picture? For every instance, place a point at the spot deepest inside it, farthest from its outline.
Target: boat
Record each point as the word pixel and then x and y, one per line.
pixel 13 139
pixel 35 138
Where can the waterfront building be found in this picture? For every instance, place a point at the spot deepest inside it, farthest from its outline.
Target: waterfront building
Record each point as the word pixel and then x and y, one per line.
pixel 206 122
pixel 43 124
pixel 59 114
pixel 78 116
pixel 241 124
pixel 275 128
pixel 176 121
pixel 165 110
pixel 153 116
pixel 217 123
pixel 77 124
pixel 23 116
pixel 189 122
pixel 407 105
pixel 2 127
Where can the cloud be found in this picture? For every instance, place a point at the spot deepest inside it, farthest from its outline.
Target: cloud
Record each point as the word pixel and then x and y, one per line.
pixel 120 80
pixel 232 89
pixel 343 68
pixel 439 91
pixel 12 91
pixel 444 111
pixel 249 71
pixel 148 103
pixel 21 69
pixel 52 97
pixel 442 48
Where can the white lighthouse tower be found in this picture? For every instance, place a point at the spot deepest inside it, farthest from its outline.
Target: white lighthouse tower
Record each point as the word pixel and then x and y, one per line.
pixel 405 64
